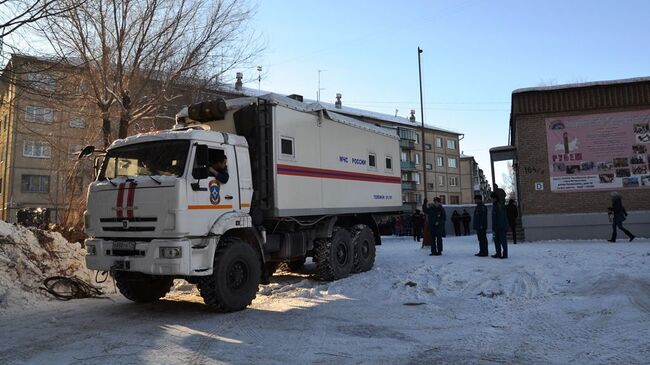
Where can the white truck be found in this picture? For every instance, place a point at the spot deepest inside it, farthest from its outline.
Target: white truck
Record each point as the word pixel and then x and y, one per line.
pixel 303 182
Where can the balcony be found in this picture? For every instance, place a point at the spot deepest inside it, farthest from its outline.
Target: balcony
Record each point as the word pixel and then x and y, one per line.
pixel 407 166
pixel 408 185
pixel 407 133
pixel 407 144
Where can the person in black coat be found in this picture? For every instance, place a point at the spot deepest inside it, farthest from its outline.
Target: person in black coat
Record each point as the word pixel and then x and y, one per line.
pixel 436 219
pixel 455 220
pixel 417 223
pixel 499 227
pixel 480 226
pixel 618 215
pixel 466 219
pixel 512 213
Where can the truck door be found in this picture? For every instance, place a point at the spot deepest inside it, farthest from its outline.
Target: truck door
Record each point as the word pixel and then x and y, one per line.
pixel 216 195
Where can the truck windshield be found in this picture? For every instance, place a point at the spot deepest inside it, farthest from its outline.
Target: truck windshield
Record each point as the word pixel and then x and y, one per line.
pixel 164 158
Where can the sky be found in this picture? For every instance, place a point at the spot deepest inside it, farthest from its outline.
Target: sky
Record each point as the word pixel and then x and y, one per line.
pixel 475 54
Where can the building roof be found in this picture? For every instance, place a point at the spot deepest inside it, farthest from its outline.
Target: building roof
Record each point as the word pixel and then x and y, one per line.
pixel 582 84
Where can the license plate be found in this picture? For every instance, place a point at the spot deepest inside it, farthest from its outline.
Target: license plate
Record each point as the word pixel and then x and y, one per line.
pixel 127 246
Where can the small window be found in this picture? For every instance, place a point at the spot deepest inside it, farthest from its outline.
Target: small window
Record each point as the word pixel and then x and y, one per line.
pixel 438 142
pixel 417 138
pixel 430 186
pixel 416 177
pixel 77 122
pixel 454 199
pixel 451 144
pixel 37 149
pixel 429 166
pixel 286 146
pixel 440 161
pixel 443 199
pixel 371 160
pixel 37 114
pixel 417 158
pixel 427 146
pixel 34 183
pixel 452 162
pixel 441 180
pixel 453 181
pixel 403 156
pixel 389 163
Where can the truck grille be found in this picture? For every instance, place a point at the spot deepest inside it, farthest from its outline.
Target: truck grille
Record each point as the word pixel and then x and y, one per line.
pixel 131 219
pixel 126 253
pixel 129 229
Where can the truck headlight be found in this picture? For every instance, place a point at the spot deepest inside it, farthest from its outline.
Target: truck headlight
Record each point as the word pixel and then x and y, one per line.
pixel 86 220
pixel 91 250
pixel 171 252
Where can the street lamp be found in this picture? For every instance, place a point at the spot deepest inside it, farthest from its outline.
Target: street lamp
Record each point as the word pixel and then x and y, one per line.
pixel 424 153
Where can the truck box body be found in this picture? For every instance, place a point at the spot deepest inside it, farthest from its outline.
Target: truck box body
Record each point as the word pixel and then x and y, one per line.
pixel 317 162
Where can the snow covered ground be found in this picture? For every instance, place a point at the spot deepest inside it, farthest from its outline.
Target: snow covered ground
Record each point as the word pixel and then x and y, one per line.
pixel 549 303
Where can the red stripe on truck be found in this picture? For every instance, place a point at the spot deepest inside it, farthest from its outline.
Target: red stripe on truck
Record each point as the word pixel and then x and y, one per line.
pixel 335 174
pixel 129 200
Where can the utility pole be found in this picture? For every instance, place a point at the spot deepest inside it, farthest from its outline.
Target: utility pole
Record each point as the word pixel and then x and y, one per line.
pixel 424 152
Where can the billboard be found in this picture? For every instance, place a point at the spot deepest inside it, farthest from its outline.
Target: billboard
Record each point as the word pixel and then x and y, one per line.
pixel 608 151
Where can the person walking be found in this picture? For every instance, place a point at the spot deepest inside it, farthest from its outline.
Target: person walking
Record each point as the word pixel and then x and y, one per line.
pixel 436 218
pixel 480 225
pixel 455 220
pixel 466 219
pixel 618 215
pixel 512 213
pixel 499 227
pixel 417 221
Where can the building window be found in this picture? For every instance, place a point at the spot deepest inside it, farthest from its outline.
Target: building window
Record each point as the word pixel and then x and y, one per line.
pixel 429 166
pixel 441 180
pixel 403 156
pixel 454 199
pixel 416 177
pixel 440 161
pixel 405 177
pixel 451 144
pixel 41 81
pixel 417 158
pixel 77 122
pixel 452 162
pixel 36 114
pixel 443 199
pixel 417 138
pixel 427 146
pixel 286 147
pixel 389 163
pixel 35 184
pixel 438 142
pixel 372 161
pixel 453 181
pixel 430 186
pixel 37 149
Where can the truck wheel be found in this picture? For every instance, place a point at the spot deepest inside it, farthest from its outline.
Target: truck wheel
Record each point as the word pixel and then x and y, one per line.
pixel 363 240
pixel 142 288
pixel 235 277
pixel 334 256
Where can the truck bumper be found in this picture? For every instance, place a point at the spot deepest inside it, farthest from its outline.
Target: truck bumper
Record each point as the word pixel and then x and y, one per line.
pixel 179 257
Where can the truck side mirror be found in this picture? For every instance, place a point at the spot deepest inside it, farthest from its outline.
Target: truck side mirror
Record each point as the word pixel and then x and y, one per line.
pixel 201 155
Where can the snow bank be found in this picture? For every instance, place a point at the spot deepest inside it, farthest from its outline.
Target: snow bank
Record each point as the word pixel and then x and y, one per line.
pixel 30 255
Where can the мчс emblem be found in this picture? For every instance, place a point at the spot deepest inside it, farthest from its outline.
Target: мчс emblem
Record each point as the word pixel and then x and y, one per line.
pixel 214 187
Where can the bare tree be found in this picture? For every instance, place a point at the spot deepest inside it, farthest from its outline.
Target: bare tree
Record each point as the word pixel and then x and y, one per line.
pixel 15 14
pixel 139 55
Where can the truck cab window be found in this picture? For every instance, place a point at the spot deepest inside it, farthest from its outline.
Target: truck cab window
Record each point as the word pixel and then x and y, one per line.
pixel 146 159
pixel 218 165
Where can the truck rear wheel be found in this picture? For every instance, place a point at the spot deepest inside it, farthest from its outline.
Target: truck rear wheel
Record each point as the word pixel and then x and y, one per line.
pixel 363 240
pixel 140 287
pixel 334 256
pixel 235 277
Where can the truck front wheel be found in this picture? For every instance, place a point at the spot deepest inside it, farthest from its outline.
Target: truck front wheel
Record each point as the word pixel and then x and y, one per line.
pixel 142 288
pixel 235 277
pixel 334 256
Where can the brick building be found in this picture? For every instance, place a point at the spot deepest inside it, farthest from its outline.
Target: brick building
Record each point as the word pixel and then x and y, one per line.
pixel 573 145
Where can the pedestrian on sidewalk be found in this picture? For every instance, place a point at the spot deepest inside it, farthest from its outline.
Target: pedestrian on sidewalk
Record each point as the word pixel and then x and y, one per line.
pixel 617 215
pixel 417 221
pixel 480 226
pixel 499 227
pixel 466 219
pixel 513 213
pixel 455 220
pixel 436 218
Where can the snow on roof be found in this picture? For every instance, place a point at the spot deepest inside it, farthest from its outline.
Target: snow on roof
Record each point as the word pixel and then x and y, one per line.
pixel 582 84
pixel 363 125
pixel 193 133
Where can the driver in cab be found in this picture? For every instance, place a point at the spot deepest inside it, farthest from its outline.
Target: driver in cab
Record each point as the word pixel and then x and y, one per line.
pixel 218 166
